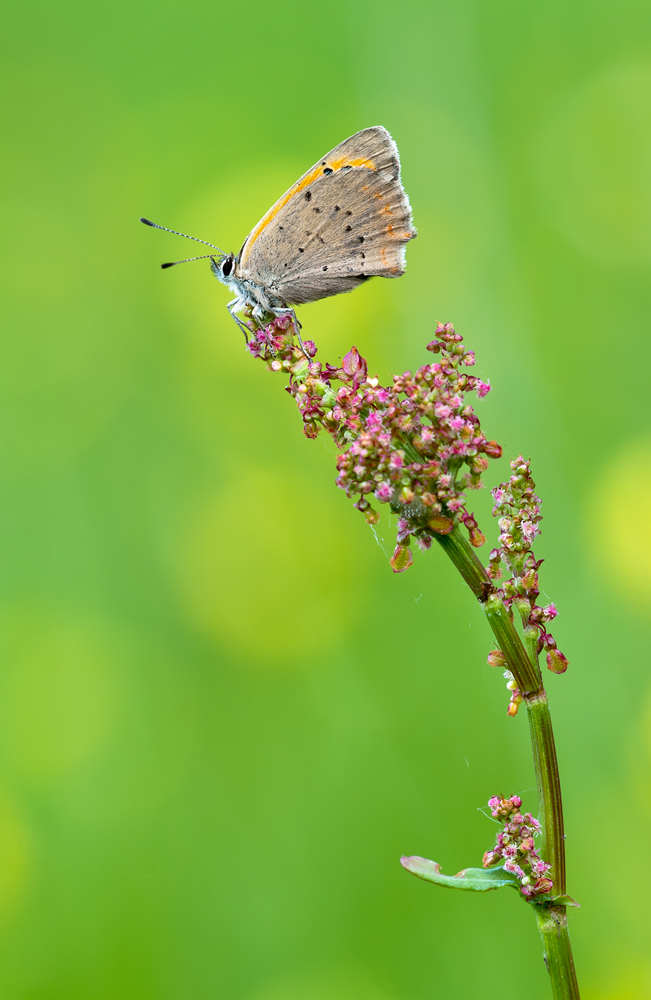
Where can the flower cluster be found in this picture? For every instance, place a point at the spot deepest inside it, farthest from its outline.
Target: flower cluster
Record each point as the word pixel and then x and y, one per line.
pixel 515 847
pixel 518 509
pixel 416 445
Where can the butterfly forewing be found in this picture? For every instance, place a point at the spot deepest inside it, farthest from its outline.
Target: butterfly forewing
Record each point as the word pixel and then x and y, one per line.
pixel 346 219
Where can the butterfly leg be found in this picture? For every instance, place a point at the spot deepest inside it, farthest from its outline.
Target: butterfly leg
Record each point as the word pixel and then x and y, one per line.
pixel 231 308
pixel 297 326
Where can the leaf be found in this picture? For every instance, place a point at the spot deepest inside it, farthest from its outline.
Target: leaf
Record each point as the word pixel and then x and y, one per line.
pixel 564 901
pixel 470 879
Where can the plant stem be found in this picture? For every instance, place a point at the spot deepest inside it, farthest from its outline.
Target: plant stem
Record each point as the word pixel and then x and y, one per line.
pixel 552 924
pixel 523 664
pixel 472 570
pixel 549 787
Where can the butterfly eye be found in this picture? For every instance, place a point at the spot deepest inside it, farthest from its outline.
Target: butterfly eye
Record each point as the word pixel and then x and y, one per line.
pixel 227 266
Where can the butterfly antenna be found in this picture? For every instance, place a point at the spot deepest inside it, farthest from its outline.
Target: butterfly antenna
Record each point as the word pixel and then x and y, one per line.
pixel 176 233
pixel 188 259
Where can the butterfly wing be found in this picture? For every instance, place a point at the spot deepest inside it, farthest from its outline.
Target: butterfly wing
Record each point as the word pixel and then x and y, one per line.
pixel 345 220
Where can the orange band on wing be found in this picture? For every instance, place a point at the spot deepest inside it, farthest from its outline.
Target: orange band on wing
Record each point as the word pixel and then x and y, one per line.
pixel 299 186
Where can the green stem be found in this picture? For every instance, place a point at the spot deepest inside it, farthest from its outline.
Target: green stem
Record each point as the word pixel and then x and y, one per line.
pixel 472 570
pixel 463 556
pixel 523 664
pixel 549 787
pixel 552 924
pixel 526 674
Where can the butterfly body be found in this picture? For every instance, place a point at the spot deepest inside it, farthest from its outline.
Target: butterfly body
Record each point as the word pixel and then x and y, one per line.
pixel 345 220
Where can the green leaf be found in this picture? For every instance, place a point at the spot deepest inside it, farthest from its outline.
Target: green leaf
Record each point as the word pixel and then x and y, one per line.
pixel 470 879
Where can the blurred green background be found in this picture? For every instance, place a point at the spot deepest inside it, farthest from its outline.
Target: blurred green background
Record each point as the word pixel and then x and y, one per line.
pixel 222 717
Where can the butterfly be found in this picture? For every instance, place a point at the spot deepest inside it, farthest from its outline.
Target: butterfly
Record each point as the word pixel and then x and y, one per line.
pixel 346 220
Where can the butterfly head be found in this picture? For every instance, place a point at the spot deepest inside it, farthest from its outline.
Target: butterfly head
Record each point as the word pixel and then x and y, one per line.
pixel 223 267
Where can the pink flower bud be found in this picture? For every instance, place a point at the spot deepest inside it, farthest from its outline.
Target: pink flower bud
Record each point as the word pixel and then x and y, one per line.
pixel 404 531
pixel 493 449
pixel 556 661
pixel 529 530
pixel 401 559
pixel 440 524
pixel 384 492
pixel 512 708
pixel 496 658
pixel 354 365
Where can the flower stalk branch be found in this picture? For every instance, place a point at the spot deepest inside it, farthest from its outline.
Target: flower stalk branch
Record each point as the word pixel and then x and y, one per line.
pixel 418 447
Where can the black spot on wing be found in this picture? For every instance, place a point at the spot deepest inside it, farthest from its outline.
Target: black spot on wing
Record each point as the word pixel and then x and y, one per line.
pixel 328 170
pixel 308 195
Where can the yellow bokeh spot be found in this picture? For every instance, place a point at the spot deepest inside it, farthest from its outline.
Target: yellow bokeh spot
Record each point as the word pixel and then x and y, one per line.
pixel 619 521
pixel 270 567
pixel 57 696
pixel 631 984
